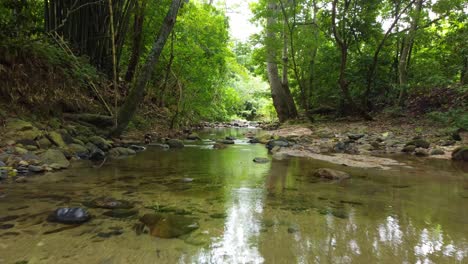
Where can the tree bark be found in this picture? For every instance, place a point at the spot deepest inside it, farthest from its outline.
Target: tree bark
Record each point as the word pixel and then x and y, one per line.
pixel 136 95
pixel 282 99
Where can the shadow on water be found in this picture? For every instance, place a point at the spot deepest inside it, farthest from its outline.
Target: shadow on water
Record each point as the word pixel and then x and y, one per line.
pixel 246 212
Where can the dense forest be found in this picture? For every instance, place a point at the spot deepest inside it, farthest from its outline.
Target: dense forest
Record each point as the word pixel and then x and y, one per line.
pixel 175 60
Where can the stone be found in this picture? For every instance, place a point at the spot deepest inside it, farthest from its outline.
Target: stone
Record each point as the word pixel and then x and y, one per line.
pixel 35 169
pixel 447 143
pixel 261 160
pixel 421 152
pixel 193 136
pixel 20 151
pixel 254 141
pixel 100 143
pixel 460 154
pixel 230 138
pixel 56 139
pixel 21 179
pixel 121 213
pixel 78 150
pixel 219 146
pixel 227 141
pixel 31 148
pixel 108 203
pixel 419 143
pixel 56 158
pixel 18 125
pixel 120 151
pixel 169 225
pixel 409 149
pixel 95 153
pixel 435 152
pixel 78 141
pixel 137 148
pixel 331 174
pixel 355 136
pixel 175 143
pixel 69 216
pixel 273 143
pixel 44 143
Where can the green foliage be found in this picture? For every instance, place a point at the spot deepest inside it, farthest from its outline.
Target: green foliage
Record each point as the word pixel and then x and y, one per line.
pixel 455 118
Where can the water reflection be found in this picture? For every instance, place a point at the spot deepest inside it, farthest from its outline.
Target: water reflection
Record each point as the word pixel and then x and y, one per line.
pixel 242 227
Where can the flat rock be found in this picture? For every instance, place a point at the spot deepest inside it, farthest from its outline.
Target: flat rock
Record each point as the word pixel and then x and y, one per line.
pixel 261 160
pixel 120 151
pixel 55 157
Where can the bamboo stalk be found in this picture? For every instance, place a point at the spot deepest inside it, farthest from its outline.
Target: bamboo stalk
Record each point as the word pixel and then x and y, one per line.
pixel 114 59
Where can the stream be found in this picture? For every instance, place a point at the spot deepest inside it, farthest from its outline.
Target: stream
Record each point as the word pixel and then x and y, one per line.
pixel 246 212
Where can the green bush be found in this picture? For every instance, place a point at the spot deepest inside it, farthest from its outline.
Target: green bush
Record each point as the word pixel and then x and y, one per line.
pixel 455 118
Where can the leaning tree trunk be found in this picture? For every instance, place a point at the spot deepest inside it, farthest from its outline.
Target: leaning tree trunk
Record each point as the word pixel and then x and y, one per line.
pixel 136 41
pixel 137 93
pixel 281 99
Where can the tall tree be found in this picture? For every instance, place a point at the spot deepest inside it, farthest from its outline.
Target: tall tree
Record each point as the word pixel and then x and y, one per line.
pixel 281 95
pixel 136 95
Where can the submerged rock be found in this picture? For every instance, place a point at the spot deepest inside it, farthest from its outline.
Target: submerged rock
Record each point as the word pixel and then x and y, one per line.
pixel 331 174
pixel 121 213
pixel 69 216
pixel 108 203
pixel 169 226
pixel 120 151
pixel 261 160
pixel 460 154
pixel 175 143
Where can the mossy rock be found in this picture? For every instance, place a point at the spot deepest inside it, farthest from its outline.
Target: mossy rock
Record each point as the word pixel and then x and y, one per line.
pixel 168 225
pixel 100 142
pixel 419 143
pixel 120 151
pixel 461 154
pixel 55 158
pixel 175 143
pixel 56 139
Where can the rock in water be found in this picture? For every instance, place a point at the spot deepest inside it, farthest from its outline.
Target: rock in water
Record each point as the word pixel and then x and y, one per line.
pixel 121 213
pixel 193 136
pixel 169 226
pixel 120 151
pixel 280 143
pixel 70 216
pixel 108 203
pixel 331 174
pixel 261 160
pixel 460 154
pixel 355 136
pixel 56 158
pixel 175 143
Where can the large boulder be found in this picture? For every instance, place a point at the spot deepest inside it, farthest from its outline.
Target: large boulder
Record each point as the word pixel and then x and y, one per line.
pixel 78 150
pixel 460 154
pixel 193 136
pixel 18 129
pixel 331 174
pixel 100 142
pixel 419 143
pixel 55 159
pixel 277 143
pixel 70 216
pixel 168 225
pixel 175 143
pixel 95 153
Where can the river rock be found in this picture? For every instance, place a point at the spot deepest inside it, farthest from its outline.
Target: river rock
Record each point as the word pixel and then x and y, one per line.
pixel 168 225
pixel 261 160
pixel 409 149
pixel 421 152
pixel 355 136
pixel 331 174
pixel 419 143
pixel 137 148
pixel 44 143
pixel 460 154
pixel 121 213
pixel 175 143
pixel 280 143
pixel 230 138
pixel 254 141
pixel 219 146
pixel 55 158
pixel 193 136
pixel 120 151
pixel 35 169
pixel 21 130
pixel 78 150
pixel 95 153
pixel 108 203
pixel 56 139
pixel 227 141
pixel 435 152
pixel 70 216
pixel 100 143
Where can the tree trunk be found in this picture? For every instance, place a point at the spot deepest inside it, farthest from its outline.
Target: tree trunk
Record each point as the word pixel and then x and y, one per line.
pixel 137 93
pixel 137 39
pixel 464 73
pixel 278 92
pixel 407 45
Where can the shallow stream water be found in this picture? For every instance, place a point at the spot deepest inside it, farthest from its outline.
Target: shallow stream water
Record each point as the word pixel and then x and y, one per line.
pixel 247 213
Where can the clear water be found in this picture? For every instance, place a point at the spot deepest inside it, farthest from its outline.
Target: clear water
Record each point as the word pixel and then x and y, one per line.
pixel 273 213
